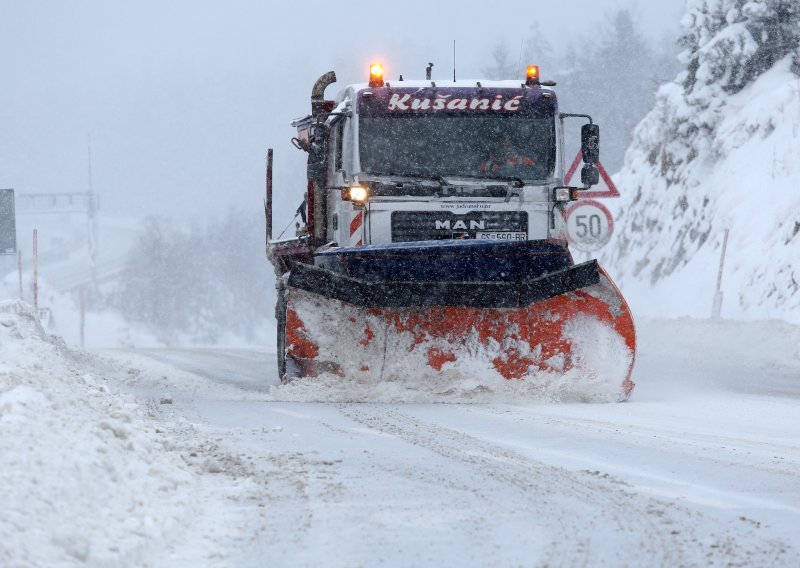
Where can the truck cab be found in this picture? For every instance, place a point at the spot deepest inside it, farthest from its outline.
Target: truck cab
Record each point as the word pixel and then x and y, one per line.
pixel 415 161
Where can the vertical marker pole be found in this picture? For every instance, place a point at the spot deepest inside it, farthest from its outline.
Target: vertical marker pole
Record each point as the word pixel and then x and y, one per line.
pixel 716 310
pixel 83 315
pixel 36 270
pixel 268 202
pixel 19 272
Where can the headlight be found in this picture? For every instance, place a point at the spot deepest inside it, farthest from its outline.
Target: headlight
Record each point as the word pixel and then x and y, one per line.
pixel 356 193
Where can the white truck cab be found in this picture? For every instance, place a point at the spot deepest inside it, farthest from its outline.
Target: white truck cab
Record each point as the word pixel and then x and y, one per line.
pixel 420 161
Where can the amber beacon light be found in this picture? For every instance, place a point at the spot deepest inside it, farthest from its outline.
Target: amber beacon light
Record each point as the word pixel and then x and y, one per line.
pixel 376 75
pixel 532 75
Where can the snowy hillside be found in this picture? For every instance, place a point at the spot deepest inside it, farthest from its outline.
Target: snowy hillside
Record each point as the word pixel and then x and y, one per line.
pixel 719 151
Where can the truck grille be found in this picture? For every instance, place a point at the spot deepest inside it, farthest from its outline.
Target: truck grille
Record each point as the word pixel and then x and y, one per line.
pixel 408 226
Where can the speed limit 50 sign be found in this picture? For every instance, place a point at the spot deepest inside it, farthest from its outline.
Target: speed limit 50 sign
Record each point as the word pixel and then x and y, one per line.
pixel 589 225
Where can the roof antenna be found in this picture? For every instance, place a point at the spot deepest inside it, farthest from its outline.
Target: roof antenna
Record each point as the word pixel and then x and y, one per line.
pixel 519 62
pixel 454 61
pixel 428 70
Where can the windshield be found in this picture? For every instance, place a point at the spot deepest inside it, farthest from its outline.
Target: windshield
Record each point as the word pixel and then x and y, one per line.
pixel 475 146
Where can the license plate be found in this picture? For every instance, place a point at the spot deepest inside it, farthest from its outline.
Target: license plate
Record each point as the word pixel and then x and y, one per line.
pixel 501 235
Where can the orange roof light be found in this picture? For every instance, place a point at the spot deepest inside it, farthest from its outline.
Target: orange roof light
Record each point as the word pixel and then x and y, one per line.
pixel 376 75
pixel 532 75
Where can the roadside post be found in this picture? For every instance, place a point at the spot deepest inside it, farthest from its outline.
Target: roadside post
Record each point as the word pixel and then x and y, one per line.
pixel 36 270
pixel 19 273
pixel 83 315
pixel 716 309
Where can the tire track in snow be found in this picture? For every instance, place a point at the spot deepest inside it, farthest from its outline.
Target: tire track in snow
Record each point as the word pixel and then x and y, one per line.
pixel 769 456
pixel 590 509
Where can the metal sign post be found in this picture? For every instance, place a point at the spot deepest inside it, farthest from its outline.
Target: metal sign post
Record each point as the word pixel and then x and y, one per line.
pixel 19 273
pixel 8 222
pixel 36 270
pixel 92 218
pixel 79 202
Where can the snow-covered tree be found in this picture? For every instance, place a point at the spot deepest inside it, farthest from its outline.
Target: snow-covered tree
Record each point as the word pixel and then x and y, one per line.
pixel 625 61
pixel 198 284
pixel 775 27
pixel 160 285
pixel 730 42
pixel 718 133
pixel 537 50
pixel 709 56
pixel 614 80
pixel 534 49
pixel 727 45
pixel 503 65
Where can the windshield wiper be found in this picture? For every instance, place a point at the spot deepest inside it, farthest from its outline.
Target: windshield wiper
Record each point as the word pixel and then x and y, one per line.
pixel 505 186
pixel 430 177
pixel 514 188
pixel 504 180
pixel 517 182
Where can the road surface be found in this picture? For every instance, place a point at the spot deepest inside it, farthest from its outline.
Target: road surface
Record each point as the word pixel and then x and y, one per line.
pixel 701 467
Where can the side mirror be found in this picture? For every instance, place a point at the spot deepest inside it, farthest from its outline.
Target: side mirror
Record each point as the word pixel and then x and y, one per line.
pixel 590 143
pixel 589 175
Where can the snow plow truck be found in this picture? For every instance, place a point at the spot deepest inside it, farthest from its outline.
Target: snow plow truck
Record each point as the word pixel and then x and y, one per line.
pixel 431 240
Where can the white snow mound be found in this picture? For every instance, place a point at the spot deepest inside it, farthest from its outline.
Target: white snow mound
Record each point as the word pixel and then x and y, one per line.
pixel 81 481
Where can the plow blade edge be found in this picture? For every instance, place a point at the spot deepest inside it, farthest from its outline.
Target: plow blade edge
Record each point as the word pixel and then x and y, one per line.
pixel 571 326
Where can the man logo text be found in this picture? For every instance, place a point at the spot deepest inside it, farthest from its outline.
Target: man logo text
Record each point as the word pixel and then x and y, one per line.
pixel 460 225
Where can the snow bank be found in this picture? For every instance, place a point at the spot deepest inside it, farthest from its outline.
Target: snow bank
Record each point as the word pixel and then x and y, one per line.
pixel 760 357
pixel 83 479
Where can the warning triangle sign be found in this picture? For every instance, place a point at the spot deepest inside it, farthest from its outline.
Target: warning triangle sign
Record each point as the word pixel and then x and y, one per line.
pixel 605 188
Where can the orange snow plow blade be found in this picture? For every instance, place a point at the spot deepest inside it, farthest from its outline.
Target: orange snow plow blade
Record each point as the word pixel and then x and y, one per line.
pixel 583 336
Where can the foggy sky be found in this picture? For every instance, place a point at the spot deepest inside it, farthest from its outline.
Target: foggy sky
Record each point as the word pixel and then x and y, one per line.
pixel 182 98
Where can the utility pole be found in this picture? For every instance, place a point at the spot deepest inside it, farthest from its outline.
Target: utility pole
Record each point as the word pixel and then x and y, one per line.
pixel 91 212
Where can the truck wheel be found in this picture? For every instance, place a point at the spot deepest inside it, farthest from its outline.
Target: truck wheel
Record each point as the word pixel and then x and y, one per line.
pixel 280 315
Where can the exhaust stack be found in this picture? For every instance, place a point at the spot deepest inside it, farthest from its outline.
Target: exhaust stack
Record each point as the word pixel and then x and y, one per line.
pixel 318 92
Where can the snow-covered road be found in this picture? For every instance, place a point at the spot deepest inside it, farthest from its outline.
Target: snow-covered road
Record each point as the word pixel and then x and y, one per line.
pixel 701 467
